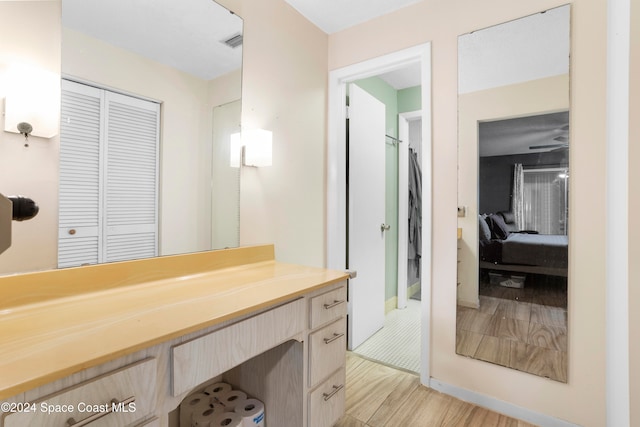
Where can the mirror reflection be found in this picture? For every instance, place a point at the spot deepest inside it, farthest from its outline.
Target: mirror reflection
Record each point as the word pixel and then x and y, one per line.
pixel 513 145
pixel 141 166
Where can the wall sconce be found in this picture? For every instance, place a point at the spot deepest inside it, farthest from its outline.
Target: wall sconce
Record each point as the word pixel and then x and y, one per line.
pixel 32 101
pixel 251 147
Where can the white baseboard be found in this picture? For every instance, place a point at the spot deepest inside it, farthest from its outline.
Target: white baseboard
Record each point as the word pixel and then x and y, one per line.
pixel 499 406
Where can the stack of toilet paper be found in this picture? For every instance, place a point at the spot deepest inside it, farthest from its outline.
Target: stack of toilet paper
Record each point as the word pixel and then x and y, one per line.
pixel 220 405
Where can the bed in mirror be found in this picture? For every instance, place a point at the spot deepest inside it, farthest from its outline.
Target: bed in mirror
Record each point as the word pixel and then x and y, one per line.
pixel 513 192
pixel 141 166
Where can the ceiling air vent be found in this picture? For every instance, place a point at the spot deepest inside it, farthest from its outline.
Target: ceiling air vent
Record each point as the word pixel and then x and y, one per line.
pixel 234 41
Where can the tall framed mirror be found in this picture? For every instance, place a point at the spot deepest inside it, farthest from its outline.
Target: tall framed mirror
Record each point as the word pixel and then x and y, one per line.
pixel 180 62
pixel 513 193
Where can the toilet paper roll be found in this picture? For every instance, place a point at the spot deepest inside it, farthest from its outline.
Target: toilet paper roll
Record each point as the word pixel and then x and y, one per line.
pixel 207 416
pixel 231 399
pixel 227 419
pixel 192 404
pixel 252 413
pixel 218 389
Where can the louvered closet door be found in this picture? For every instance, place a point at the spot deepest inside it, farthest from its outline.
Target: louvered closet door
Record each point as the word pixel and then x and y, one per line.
pixel 132 129
pixel 108 176
pixel 80 175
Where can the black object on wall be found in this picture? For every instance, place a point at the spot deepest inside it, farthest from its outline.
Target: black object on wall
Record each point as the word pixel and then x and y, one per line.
pixel 24 208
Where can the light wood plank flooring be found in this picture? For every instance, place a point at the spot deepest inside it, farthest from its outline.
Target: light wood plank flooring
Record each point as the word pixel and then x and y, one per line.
pixel 380 396
pixel 524 329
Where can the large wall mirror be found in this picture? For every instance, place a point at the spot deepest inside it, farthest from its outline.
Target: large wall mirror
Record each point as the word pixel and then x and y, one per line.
pixel 513 193
pixel 141 166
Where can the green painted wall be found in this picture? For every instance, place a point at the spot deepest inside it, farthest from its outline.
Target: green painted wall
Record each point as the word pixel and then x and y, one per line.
pixel 410 99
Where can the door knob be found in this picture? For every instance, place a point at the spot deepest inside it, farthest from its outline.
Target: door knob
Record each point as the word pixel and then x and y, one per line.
pixel 384 227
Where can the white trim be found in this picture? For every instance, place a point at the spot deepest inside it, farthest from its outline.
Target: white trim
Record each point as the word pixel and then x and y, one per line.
pixel 500 406
pixel 403 210
pixel 403 205
pixel 97 85
pixel 617 223
pixel 336 172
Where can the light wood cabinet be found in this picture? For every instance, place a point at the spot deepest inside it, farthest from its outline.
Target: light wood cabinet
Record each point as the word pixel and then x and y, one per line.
pixel 327 357
pixel 327 402
pixel 273 354
pixel 326 351
pixel 117 398
pixel 148 333
pixel 202 358
pixel 327 307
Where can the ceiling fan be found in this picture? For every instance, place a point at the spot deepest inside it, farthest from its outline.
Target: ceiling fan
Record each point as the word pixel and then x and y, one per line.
pixel 563 141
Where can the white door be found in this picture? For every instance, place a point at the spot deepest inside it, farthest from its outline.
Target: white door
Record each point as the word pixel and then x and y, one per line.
pixel 366 204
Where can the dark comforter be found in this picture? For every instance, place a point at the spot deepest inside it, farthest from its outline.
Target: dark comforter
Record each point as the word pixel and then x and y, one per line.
pixel 544 250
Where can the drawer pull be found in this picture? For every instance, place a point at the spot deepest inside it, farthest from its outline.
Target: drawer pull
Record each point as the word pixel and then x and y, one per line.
pixel 333 304
pixel 333 338
pixel 336 388
pixel 71 422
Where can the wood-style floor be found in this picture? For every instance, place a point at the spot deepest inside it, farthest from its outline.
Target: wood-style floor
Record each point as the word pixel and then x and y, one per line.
pixel 524 329
pixel 380 396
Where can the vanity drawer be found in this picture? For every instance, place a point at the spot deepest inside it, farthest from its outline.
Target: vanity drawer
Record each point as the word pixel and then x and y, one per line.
pixel 134 388
pixel 327 351
pixel 327 307
pixel 327 402
pixel 203 358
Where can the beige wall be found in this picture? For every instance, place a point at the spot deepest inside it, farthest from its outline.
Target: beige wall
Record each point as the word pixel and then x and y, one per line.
pixel 634 208
pixel 32 171
pixel 581 400
pixel 530 98
pixel 284 90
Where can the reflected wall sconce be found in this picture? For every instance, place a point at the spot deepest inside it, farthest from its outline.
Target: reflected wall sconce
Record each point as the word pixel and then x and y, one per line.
pixel 252 147
pixel 32 101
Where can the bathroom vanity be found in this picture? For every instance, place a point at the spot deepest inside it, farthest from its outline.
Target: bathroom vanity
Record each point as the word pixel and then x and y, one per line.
pixel 124 343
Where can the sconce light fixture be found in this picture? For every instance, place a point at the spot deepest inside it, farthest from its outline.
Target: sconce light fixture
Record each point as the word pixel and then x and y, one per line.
pixel 32 101
pixel 252 147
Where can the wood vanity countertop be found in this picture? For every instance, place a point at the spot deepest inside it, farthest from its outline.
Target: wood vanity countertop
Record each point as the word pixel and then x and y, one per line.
pixel 55 333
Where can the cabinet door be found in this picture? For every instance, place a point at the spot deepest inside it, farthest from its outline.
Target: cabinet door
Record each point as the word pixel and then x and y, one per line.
pixel 131 176
pixel 81 123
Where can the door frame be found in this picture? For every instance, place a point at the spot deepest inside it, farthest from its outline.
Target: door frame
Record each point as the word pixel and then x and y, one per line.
pixel 403 204
pixel 336 170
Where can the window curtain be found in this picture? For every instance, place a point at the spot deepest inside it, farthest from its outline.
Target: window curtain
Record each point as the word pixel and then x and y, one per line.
pixel 518 195
pixel 545 200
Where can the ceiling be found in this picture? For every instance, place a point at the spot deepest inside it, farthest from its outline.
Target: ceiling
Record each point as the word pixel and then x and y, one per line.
pixel 193 45
pixel 332 16
pixel 524 135
pixel 179 34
